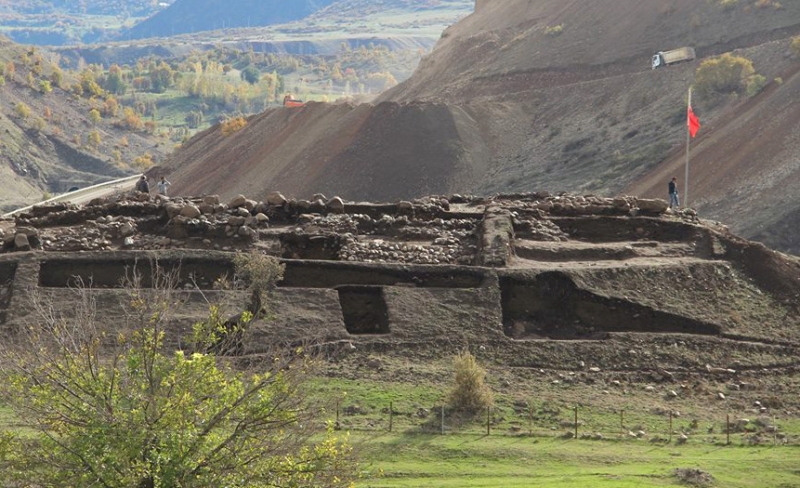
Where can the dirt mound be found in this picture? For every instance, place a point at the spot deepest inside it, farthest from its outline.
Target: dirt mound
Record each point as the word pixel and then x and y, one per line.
pixel 388 151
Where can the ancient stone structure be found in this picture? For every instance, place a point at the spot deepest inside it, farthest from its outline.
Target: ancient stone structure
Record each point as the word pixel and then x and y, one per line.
pixel 519 273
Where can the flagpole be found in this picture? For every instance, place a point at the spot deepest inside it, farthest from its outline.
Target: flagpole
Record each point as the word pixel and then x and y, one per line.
pixel 688 141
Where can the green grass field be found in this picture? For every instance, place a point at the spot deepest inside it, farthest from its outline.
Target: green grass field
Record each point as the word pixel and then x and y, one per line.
pixel 416 454
pixel 477 461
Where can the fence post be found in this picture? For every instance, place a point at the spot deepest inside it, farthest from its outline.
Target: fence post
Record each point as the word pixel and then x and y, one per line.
pixel 622 422
pixel 391 414
pixel 728 429
pixel 774 431
pixel 576 422
pixel 670 426
pixel 488 420
pixel 530 420
pixel 337 413
pixel 442 419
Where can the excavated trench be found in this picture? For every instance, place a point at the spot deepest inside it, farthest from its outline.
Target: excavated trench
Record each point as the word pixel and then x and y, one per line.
pixel 620 229
pixel 115 273
pixel 7 273
pixel 310 247
pixel 364 310
pixel 551 306
pixel 320 274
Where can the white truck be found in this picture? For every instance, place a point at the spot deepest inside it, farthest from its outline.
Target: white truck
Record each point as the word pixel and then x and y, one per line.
pixel 665 58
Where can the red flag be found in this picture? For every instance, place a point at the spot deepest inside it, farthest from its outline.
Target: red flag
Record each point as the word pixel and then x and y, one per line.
pixel 693 122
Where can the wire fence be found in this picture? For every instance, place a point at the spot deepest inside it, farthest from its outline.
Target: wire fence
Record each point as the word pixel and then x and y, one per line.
pixel 578 422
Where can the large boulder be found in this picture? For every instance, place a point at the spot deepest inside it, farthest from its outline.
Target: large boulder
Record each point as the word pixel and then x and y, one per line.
pixel 21 242
pixel 276 199
pixel 335 205
pixel 237 201
pixel 190 211
pixel 655 206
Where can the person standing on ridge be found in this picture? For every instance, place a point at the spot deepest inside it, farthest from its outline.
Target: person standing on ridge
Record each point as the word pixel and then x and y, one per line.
pixel 673 193
pixel 142 186
pixel 162 186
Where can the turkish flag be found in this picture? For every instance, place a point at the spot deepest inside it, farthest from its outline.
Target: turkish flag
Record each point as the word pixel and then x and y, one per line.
pixel 693 122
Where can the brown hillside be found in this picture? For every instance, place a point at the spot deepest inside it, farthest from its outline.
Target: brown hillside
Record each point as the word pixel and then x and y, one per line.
pixel 38 151
pixel 744 168
pixel 321 147
pixel 505 103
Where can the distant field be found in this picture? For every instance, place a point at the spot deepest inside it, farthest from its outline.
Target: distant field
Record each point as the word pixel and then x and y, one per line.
pixel 356 24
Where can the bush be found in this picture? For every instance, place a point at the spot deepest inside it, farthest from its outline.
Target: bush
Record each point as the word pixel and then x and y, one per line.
pixel 726 74
pixel 470 394
pixel 555 30
pixel 45 86
pixel 795 45
pixel 22 110
pixel 95 116
pixel 94 139
pixel 233 124
pixel 143 162
pixel 755 84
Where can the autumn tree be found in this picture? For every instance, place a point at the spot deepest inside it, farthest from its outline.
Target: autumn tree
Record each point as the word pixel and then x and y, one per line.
pixel 93 139
pixel 57 76
pixel 114 81
pixel 194 119
pixel 95 116
pixel 161 77
pixel 250 74
pixel 130 119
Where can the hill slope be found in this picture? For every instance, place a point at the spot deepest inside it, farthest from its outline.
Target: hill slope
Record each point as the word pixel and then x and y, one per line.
pixel 542 95
pixel 45 146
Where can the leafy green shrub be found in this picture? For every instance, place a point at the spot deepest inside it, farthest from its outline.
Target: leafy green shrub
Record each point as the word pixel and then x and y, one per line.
pixel 45 86
pixel 755 84
pixel 795 45
pixel 93 139
pixel 470 394
pixel 22 110
pixel 723 75
pixel 554 30
pixel 95 116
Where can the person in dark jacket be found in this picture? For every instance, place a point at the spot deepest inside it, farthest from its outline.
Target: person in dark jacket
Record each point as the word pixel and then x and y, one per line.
pixel 142 186
pixel 673 193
